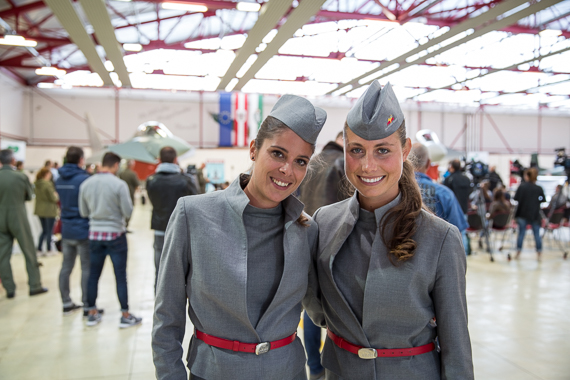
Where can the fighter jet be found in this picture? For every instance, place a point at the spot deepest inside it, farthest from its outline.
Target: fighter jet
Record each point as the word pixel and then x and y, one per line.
pixel 144 147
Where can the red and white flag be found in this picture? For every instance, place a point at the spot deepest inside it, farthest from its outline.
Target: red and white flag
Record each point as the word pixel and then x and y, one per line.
pixel 240 136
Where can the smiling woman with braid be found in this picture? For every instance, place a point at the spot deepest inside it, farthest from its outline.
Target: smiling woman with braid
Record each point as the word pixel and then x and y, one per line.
pixel 392 275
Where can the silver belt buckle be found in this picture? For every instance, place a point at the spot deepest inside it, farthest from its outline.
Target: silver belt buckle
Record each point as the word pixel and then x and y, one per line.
pixel 262 348
pixel 367 353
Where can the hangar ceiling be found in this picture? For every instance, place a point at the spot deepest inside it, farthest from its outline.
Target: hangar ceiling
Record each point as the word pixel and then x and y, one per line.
pixel 467 52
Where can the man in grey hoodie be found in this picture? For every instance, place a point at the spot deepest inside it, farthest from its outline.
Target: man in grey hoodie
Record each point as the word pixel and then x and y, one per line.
pixel 105 200
pixel 164 188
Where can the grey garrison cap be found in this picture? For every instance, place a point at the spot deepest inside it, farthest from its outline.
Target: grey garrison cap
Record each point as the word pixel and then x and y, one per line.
pixel 376 114
pixel 301 116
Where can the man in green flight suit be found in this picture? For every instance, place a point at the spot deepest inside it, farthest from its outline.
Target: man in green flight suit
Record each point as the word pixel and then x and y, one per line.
pixel 15 190
pixel 130 177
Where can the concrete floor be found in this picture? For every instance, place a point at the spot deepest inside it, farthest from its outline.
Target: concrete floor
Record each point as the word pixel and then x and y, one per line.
pixel 518 318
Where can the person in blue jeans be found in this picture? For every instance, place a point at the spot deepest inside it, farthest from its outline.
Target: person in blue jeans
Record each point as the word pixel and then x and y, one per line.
pixel 529 197
pixel 74 228
pixel 105 200
pixel 117 251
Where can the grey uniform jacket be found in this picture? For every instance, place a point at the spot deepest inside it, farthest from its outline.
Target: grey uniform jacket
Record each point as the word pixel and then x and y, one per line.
pixel 204 260
pixel 399 301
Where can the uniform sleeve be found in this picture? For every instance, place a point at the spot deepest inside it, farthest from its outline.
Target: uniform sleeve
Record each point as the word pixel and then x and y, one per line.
pixel 451 309
pixel 170 305
pixel 125 201
pixel 312 300
pixel 29 188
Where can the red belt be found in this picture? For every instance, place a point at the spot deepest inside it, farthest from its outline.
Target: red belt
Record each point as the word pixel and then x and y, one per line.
pixel 234 345
pixel 372 353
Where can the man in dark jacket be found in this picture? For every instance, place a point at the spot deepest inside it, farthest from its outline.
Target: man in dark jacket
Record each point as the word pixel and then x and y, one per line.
pixel 461 187
pixel 494 178
pixel 323 186
pixel 202 179
pixel 74 228
pixel 163 189
pixel 15 190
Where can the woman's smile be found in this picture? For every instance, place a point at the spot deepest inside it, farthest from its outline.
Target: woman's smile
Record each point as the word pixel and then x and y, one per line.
pixel 371 181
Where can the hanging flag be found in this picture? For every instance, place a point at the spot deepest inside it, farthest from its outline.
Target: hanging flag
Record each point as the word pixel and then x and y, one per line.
pixel 225 119
pixel 241 134
pixel 255 115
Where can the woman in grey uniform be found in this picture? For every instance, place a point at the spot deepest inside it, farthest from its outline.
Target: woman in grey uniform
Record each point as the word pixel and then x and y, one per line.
pixel 392 275
pixel 243 258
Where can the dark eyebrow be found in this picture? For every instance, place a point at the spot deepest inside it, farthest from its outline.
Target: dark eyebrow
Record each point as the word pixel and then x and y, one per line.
pixel 375 146
pixel 286 151
pixel 383 144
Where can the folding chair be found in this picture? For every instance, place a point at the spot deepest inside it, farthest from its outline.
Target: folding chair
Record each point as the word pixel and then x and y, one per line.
pixel 500 223
pixel 477 225
pixel 553 223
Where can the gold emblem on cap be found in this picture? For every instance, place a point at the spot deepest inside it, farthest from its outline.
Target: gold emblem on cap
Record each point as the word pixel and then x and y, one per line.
pixel 390 120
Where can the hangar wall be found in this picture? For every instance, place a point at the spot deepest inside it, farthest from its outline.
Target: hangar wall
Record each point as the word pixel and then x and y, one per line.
pixel 55 117
pixel 51 119
pixel 11 106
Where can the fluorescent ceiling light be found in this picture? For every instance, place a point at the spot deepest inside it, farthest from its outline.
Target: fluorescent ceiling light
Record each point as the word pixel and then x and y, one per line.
pixel 115 79
pixel 231 85
pixel 132 47
pixel 250 60
pixel 185 7
pixel 50 71
pixel 248 7
pixel 109 66
pixel 550 33
pixel 46 85
pixel 12 40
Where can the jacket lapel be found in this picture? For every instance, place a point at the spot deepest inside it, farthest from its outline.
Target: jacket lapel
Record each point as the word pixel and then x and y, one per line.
pixel 380 270
pixel 295 248
pixel 237 200
pixel 344 225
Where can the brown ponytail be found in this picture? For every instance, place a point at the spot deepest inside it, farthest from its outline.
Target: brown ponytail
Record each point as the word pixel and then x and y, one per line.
pixel 400 221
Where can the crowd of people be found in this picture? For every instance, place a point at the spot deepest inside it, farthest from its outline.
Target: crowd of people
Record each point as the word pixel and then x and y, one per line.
pixel 93 210
pixel 359 237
